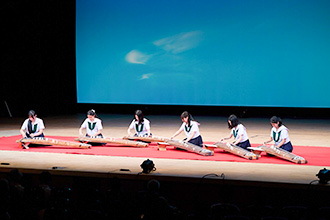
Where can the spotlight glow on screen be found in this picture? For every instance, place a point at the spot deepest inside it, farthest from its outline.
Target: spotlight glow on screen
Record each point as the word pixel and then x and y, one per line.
pixel 204 52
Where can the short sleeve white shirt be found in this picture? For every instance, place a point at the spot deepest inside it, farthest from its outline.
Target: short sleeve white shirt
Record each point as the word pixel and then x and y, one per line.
pixel 279 134
pixel 188 130
pixel 37 125
pixel 238 131
pixel 92 127
pixel 140 129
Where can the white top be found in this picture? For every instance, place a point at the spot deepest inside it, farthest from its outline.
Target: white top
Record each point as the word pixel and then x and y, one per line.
pixel 140 129
pixel 92 127
pixel 279 134
pixel 238 131
pixel 37 125
pixel 189 130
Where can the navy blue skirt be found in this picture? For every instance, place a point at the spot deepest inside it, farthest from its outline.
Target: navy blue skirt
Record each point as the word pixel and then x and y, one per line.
pixel 197 141
pixel 287 146
pixel 244 144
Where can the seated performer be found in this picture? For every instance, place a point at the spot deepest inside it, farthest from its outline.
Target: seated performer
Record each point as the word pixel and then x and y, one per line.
pixel 238 131
pixel 140 124
pixel 279 134
pixel 92 124
pixel 33 126
pixel 191 129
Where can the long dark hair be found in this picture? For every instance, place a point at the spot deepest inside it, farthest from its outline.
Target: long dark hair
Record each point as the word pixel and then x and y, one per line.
pixel 276 119
pixel 187 114
pixel 234 121
pixel 140 116
pixel 32 114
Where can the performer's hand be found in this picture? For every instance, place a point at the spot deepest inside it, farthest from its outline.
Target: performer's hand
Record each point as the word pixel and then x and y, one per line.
pixel 222 139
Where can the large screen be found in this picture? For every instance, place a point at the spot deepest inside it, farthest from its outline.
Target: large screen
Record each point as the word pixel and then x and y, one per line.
pixel 204 52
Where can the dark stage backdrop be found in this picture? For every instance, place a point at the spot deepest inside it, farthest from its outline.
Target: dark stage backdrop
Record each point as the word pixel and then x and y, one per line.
pixel 38 68
pixel 38 64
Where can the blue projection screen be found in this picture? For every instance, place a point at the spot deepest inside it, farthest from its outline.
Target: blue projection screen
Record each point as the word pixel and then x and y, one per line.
pixel 204 52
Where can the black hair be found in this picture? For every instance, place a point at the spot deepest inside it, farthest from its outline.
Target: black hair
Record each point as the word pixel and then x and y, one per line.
pixel 31 114
pixel 234 121
pixel 92 113
pixel 140 116
pixel 276 119
pixel 186 114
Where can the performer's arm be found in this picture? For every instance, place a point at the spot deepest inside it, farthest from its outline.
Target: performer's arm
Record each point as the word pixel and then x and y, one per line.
pixel 147 124
pixel 270 140
pixel 176 133
pixel 281 143
pixel 191 136
pixel 38 133
pixel 98 132
pixel 239 140
pixel 80 131
pixel 23 133
pixel 129 131
pixel 130 127
pixel 226 138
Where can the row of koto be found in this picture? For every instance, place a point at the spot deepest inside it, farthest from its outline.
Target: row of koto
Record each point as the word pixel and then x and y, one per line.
pixel 162 142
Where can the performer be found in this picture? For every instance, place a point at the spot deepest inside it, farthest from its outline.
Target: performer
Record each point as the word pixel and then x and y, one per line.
pixel 92 124
pixel 140 124
pixel 279 134
pixel 238 131
pixel 33 126
pixel 191 129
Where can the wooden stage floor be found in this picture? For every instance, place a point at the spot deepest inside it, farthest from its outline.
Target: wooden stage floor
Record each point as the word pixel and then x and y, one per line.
pixel 303 132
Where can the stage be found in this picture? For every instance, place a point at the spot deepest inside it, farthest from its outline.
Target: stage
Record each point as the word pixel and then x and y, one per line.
pixel 191 185
pixel 303 132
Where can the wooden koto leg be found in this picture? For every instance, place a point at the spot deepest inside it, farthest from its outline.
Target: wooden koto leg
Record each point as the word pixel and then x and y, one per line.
pixel 162 146
pixel 256 150
pixel 210 147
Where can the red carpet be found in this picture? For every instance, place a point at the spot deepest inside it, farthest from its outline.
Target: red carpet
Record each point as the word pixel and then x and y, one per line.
pixel 316 156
